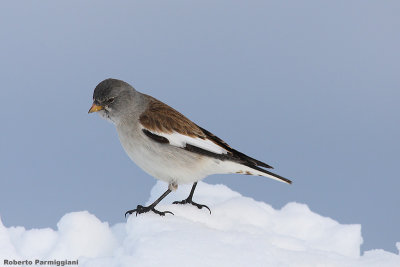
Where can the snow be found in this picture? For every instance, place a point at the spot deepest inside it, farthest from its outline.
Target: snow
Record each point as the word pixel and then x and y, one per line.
pixel 239 232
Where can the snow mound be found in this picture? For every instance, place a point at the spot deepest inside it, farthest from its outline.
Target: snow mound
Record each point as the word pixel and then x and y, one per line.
pixel 240 232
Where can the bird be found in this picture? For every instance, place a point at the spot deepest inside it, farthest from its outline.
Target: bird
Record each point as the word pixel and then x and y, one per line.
pixel 166 144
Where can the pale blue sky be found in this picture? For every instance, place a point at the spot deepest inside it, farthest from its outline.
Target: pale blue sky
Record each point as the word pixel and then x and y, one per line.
pixel 310 87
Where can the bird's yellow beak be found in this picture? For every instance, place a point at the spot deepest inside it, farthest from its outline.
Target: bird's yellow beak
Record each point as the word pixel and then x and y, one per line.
pixel 95 108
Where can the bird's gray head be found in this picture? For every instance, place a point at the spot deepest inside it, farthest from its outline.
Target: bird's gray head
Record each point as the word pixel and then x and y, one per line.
pixel 111 99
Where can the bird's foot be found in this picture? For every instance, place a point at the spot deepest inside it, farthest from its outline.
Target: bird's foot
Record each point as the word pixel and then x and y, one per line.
pixel 190 201
pixel 140 209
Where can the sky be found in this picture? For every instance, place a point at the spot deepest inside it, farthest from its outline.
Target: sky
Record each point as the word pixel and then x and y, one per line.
pixel 309 87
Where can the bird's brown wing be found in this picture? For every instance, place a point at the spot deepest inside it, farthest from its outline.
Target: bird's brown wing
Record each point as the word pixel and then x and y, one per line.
pixel 159 117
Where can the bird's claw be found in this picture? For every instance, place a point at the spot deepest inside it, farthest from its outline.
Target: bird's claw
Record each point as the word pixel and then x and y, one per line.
pixel 189 201
pixel 141 209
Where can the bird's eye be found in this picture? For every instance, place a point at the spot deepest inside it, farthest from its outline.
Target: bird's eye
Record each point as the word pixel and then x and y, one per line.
pixel 110 100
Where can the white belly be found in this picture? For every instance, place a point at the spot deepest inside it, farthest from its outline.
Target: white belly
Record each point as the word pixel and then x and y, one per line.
pixel 165 162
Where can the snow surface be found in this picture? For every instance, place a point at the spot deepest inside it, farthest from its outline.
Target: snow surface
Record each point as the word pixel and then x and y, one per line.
pixel 240 232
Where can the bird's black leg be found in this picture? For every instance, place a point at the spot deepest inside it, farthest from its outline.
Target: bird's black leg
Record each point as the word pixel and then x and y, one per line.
pixel 140 209
pixel 190 201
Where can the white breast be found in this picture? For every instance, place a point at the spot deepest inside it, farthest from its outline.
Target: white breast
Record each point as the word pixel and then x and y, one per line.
pixel 166 162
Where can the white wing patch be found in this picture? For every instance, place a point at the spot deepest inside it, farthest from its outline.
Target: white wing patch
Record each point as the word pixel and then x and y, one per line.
pixel 180 140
